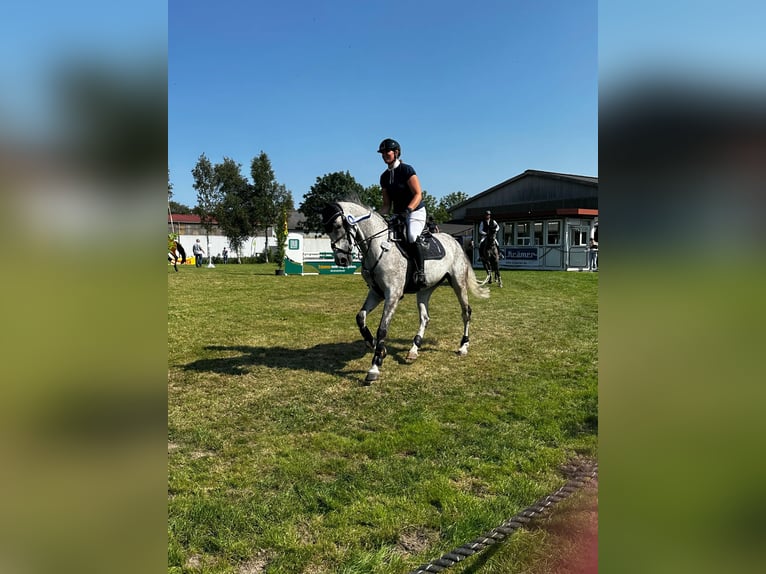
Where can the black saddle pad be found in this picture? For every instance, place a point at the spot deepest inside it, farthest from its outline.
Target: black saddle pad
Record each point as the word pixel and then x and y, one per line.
pixel 432 248
pixel 429 245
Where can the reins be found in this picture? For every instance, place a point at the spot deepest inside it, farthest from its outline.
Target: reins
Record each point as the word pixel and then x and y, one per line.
pixel 363 243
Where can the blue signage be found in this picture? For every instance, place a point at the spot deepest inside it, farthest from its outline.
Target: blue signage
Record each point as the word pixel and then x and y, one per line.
pixel 525 253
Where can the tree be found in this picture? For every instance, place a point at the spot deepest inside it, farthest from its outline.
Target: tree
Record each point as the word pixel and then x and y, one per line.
pixel 235 211
pixel 446 203
pixel 327 189
pixel 176 207
pixel 430 203
pixel 170 186
pixel 373 196
pixel 283 200
pixel 281 231
pixel 265 189
pixel 208 196
pixel 234 222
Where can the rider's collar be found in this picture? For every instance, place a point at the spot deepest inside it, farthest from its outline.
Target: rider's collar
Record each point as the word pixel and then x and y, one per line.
pixel 391 170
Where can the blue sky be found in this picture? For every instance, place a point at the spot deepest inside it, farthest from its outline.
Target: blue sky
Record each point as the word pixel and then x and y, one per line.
pixel 474 92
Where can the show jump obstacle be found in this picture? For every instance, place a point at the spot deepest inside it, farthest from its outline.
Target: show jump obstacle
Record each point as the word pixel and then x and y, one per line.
pixel 298 262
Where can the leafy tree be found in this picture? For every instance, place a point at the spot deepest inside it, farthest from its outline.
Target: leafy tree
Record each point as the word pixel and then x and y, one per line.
pixel 208 194
pixel 328 188
pixel 234 222
pixel 176 207
pixel 373 196
pixel 270 197
pixel 281 231
pixel 442 212
pixel 170 186
pixel 235 211
pixel 430 202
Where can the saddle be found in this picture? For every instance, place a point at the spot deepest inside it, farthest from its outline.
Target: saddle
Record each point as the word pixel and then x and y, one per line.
pixel 428 244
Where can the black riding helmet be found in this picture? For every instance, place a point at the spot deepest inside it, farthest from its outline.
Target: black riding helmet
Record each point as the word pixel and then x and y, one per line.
pixel 388 144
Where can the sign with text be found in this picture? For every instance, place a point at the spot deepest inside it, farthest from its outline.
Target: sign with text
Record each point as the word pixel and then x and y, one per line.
pixel 523 253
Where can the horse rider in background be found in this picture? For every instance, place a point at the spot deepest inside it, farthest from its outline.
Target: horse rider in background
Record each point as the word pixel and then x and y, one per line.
pixel 488 228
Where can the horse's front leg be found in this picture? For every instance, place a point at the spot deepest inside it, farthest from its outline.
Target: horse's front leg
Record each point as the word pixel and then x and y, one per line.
pixel 392 300
pixel 372 301
pixel 423 299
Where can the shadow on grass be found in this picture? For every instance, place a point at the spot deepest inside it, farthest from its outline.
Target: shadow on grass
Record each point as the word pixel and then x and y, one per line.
pixel 330 358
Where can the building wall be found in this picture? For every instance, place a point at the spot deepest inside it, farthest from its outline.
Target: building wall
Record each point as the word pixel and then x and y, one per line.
pixel 545 219
pixel 252 247
pixel 531 192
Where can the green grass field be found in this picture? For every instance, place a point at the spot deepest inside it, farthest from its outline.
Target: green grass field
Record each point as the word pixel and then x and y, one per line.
pixel 280 461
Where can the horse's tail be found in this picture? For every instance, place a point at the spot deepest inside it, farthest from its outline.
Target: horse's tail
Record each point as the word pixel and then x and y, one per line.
pixel 476 287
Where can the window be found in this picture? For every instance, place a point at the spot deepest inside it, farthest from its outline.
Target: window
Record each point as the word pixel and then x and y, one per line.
pixel 538 226
pixel 554 233
pixel 507 233
pixel 578 236
pixel 523 233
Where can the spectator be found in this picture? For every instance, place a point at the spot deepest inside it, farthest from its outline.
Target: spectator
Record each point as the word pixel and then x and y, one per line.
pixel 198 253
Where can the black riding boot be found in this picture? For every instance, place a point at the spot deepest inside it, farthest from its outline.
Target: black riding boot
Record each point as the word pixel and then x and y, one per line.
pixel 417 259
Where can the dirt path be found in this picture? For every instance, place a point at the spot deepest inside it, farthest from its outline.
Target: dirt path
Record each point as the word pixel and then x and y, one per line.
pixel 573 527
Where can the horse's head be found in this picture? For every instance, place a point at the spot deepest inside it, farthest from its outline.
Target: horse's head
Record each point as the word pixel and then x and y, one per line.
pixel 341 234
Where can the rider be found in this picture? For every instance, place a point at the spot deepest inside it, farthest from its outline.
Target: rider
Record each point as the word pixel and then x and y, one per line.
pixel 403 196
pixel 488 228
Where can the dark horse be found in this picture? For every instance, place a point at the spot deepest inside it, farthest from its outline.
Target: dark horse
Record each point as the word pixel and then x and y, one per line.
pixel 175 252
pixel 384 269
pixel 490 258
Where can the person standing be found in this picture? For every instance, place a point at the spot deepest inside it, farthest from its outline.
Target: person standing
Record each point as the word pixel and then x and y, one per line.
pixel 402 196
pixel 198 253
pixel 592 255
pixel 225 255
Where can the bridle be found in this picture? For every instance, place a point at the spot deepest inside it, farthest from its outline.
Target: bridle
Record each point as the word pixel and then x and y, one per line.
pixel 352 234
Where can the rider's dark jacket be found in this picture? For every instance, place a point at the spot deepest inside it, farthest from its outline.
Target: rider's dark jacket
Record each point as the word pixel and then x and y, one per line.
pixel 490 229
pixel 394 181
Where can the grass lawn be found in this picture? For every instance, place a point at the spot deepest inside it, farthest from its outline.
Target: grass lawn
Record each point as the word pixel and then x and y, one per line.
pixel 280 461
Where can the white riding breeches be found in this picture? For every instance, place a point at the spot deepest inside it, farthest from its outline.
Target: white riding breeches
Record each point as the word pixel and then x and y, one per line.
pixel 415 224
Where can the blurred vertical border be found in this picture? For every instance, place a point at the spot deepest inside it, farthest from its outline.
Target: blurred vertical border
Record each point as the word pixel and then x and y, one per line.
pixel 83 158
pixel 682 174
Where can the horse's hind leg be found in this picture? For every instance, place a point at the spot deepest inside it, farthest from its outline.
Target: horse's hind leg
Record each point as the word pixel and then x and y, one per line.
pixel 423 298
pixel 462 296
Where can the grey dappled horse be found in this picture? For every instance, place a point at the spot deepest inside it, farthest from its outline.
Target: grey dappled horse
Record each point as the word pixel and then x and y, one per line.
pixel 490 258
pixel 385 270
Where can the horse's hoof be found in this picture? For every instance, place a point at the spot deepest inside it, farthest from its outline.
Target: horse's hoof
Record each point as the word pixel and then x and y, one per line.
pixel 371 378
pixel 411 356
